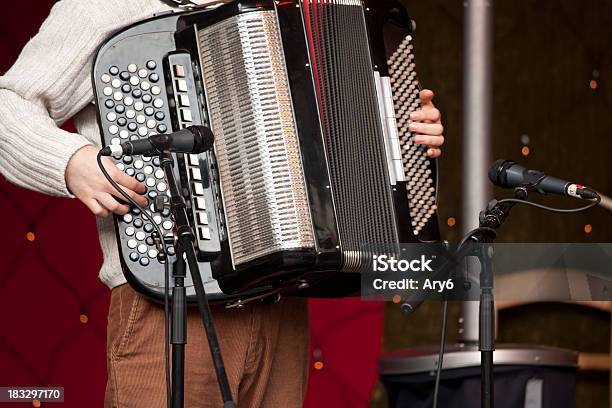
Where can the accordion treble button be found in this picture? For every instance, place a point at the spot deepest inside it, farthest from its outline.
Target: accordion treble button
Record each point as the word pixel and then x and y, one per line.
pixel 203 218
pixel 183 100
pixel 186 115
pixel 200 203
pixel 204 233
pixel 179 71
pixel 181 85
pixel 194 160
pixel 196 174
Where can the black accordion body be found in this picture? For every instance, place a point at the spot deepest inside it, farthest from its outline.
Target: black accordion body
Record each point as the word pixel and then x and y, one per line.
pixel 309 102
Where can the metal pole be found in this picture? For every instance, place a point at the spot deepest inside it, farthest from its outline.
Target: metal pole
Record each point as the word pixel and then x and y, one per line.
pixel 477 105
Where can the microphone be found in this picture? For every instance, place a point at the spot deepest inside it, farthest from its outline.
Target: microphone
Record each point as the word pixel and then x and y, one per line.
pixel 194 139
pixel 509 174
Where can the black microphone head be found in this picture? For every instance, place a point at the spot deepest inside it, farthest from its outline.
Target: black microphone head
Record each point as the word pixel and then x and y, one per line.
pixel 204 138
pixel 497 172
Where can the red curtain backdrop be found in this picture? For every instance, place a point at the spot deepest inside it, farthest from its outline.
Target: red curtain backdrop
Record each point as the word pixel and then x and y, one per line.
pixel 53 308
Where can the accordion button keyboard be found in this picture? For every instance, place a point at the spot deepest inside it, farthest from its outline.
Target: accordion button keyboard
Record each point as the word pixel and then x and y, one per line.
pixel 120 109
pixel 154 78
pixel 167 225
pixel 134 256
pixel 109 103
pixel 143 73
pixel 122 122
pixel 108 91
pixel 162 128
pixel 132 243
pixel 128 101
pixel 124 75
pixel 105 78
pixel 116 83
pixel 155 90
pixel 134 80
pixel 132 68
pixel 158 103
pixel 159 115
pixel 129 231
pixel 151 64
pixel 161 187
pixel 137 93
pixel 145 86
pixel 113 70
pixel 146 98
pixel 144 261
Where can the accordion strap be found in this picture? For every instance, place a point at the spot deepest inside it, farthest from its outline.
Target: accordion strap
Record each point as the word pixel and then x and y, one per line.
pixel 190 5
pixel 180 3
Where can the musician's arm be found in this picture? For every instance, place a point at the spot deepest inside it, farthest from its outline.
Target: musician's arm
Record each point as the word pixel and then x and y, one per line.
pixel 49 83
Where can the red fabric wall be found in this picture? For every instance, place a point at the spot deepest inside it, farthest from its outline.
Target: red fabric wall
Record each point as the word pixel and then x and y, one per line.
pixel 53 308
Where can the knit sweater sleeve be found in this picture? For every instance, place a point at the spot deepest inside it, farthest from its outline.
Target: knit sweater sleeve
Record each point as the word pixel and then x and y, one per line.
pixel 48 84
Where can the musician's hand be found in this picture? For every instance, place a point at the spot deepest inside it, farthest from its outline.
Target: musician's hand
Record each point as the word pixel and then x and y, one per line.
pixel 86 181
pixel 427 124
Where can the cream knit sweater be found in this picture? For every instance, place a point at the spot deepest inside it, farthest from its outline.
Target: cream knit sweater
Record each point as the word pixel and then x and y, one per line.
pixel 50 83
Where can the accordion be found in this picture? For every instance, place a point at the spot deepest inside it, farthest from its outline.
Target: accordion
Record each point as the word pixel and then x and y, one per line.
pixel 309 102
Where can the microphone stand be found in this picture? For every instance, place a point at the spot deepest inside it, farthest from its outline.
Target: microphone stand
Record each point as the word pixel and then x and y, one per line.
pixel 490 219
pixel 185 249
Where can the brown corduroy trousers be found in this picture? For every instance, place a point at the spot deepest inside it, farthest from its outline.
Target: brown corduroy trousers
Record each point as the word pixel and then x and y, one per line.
pixel 265 348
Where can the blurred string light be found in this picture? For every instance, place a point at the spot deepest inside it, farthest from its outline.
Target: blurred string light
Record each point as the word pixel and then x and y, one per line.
pixel 317 354
pixel 525 141
pixel 588 228
pixel 83 317
pixel 594 82
pixel 30 236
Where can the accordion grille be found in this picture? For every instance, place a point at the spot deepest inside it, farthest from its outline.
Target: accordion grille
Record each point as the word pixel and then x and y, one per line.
pixel 351 124
pixel 256 143
pixel 420 184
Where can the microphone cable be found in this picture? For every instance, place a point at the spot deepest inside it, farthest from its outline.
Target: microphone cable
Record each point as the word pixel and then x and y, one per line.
pixel 149 217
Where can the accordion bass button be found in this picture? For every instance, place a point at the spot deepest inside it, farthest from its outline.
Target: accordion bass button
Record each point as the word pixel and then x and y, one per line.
pixel 151 64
